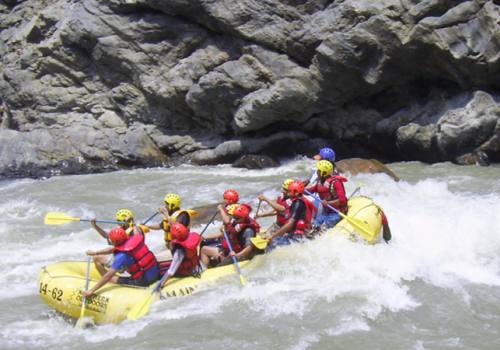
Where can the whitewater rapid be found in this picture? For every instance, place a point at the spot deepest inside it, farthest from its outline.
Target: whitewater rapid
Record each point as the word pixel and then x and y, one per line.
pixel 436 285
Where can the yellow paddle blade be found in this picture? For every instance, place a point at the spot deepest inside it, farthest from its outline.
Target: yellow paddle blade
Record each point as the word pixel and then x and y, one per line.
pixel 84 322
pixel 259 242
pixel 56 218
pixel 243 280
pixel 142 308
pixel 192 213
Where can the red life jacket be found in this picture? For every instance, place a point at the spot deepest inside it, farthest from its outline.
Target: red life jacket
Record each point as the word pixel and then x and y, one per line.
pixel 234 231
pixel 282 217
pixel 191 258
pixel 327 191
pixel 303 224
pixel 144 259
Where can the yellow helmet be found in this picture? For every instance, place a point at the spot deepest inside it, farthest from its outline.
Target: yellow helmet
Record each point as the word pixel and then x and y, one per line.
pixel 325 168
pixel 231 207
pixel 173 201
pixel 287 182
pixel 123 214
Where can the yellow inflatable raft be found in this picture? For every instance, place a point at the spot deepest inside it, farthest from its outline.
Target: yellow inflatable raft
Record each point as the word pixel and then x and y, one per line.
pixel 364 220
pixel 61 285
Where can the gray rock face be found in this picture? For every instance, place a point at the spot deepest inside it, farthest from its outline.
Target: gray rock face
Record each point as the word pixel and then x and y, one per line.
pixel 255 161
pixel 101 85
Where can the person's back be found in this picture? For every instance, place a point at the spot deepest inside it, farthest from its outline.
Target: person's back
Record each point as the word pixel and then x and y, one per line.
pixel 135 256
pixel 185 258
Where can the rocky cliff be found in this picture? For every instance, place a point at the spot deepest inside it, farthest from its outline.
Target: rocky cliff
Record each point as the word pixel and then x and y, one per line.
pixel 92 85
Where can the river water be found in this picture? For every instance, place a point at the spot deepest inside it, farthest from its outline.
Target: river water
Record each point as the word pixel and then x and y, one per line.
pixel 436 286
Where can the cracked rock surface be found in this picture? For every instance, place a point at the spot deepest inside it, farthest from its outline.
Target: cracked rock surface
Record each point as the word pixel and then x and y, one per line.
pixel 89 86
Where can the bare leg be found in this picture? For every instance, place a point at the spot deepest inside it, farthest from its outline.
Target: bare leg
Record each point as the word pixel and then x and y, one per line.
pixel 100 264
pixel 207 253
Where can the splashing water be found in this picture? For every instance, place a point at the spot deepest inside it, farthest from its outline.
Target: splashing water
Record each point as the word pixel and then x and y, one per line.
pixel 436 285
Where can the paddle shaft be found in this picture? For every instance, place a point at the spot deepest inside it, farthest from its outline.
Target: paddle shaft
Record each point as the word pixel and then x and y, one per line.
pixel 158 285
pixel 84 300
pixel 230 250
pixel 356 190
pixel 104 221
pixel 208 224
pixel 350 220
pixel 328 205
pixel 257 211
pixel 150 218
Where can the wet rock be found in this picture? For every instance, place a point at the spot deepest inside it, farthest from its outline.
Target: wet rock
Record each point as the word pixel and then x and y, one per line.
pixel 229 151
pixel 255 161
pixel 474 158
pixel 354 166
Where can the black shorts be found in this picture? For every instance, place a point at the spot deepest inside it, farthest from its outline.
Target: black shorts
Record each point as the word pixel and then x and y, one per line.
pixel 137 282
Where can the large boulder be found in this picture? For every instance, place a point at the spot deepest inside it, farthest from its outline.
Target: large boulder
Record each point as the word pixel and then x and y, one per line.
pixel 356 166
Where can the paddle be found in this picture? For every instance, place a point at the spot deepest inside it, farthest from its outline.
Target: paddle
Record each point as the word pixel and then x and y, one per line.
pixel 209 222
pixel 150 218
pixel 235 261
pixel 142 308
pixel 257 211
pixel 259 242
pixel 57 218
pixel 80 323
pixel 358 224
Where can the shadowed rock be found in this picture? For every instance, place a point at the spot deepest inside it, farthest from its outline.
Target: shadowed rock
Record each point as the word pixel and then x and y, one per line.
pixel 254 161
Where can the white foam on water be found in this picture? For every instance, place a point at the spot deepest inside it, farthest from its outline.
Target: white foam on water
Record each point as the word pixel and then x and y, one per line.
pixel 443 235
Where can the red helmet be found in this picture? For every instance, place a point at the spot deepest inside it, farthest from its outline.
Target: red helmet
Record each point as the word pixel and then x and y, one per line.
pixel 300 227
pixel 179 231
pixel 242 211
pixel 117 236
pixel 296 187
pixel 231 196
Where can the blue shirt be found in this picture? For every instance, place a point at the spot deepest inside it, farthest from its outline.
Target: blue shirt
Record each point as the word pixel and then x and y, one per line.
pixel 122 261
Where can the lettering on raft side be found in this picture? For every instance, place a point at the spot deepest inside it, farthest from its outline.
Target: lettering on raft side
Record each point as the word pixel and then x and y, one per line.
pixel 180 292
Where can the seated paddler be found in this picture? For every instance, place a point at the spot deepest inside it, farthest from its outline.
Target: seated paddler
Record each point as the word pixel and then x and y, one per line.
pixel 298 225
pixel 172 212
pixel 126 217
pixel 329 191
pixel 239 228
pixel 184 247
pixel 131 254
pixel 279 207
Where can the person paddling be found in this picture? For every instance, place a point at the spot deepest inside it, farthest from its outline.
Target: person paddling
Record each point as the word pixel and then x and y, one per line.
pixel 131 254
pixel 185 259
pixel 127 217
pixel 230 196
pixel 331 192
pixel 280 207
pixel 122 215
pixel 240 228
pixel 172 212
pixel 327 154
pixel 299 224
